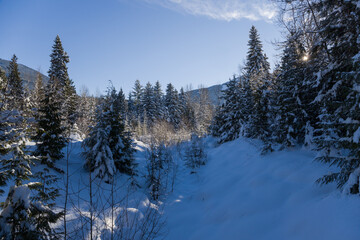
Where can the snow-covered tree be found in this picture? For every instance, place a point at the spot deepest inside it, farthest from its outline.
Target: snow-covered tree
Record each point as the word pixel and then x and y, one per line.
pixel 290 120
pixel 50 135
pixel 15 92
pixel 229 115
pixel 99 157
pixel 158 101
pixel 171 103
pixel 148 104
pixel 338 83
pixel 108 146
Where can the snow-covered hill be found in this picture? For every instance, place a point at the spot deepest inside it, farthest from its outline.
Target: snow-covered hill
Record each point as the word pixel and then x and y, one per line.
pixel 28 75
pixel 240 194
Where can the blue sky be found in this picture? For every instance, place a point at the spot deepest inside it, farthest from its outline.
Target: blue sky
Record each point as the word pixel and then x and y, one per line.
pixel 185 42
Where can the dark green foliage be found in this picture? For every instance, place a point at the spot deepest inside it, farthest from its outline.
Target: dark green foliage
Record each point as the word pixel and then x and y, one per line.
pixel 172 110
pixel 50 135
pixel 338 131
pixel 70 105
pixel 109 146
pixel 229 113
pixel 15 92
pixel 290 118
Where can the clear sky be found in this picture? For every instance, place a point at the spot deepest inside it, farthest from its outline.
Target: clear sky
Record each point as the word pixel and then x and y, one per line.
pixel 179 41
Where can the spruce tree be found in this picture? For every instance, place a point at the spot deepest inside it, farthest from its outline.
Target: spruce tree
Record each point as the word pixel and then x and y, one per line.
pixel 171 103
pixel 50 135
pixel 71 106
pixel 58 69
pixel 290 121
pixel 148 104
pixel 108 146
pixel 257 72
pixel 338 83
pixel 158 101
pixel 230 112
pixel 15 91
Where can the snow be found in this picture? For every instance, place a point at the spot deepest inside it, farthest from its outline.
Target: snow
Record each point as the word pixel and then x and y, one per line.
pixel 242 195
pixel 238 194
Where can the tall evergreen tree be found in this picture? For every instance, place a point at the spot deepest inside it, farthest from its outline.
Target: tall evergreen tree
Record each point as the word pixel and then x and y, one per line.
pixel 230 112
pixel 136 96
pixel 108 146
pixel 158 101
pixel 50 135
pixel 15 91
pixel 257 72
pixel 148 104
pixel 338 83
pixel 171 103
pixel 290 121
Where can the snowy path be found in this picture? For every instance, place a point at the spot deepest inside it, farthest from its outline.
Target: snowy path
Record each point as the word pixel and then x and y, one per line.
pixel 242 195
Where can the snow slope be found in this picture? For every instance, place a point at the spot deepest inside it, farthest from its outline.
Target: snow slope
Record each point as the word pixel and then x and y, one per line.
pixel 240 194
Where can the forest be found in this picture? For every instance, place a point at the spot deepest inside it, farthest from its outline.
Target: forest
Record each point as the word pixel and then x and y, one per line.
pixel 311 100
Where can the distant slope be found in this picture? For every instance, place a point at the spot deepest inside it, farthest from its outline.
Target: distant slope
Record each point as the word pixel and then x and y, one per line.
pixel 28 75
pixel 214 93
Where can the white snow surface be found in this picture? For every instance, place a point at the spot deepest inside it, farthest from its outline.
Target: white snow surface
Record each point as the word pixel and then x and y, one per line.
pixel 240 194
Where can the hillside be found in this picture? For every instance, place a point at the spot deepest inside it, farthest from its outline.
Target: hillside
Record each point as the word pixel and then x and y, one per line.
pixel 27 74
pixel 240 194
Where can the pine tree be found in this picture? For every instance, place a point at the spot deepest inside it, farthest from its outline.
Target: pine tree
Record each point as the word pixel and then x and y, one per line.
pixel 15 91
pixel 256 67
pixel 257 72
pixel 290 121
pixel 171 103
pixel 230 112
pixel 70 105
pixel 136 96
pixel 108 146
pixel 58 69
pixel 66 92
pixel 22 218
pixel 187 111
pixel 148 104
pixel 158 101
pixel 99 157
pixel 338 83
pixel 50 135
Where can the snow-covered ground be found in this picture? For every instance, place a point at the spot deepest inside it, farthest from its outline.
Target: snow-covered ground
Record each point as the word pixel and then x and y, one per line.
pixel 240 194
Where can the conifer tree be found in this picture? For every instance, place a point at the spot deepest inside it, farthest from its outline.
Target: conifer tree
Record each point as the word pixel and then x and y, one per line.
pixel 99 157
pixel 50 135
pixel 70 105
pixel 171 103
pixel 15 91
pixel 108 146
pixel 230 112
pixel 148 104
pixel 158 101
pixel 290 121
pixel 136 96
pixel 257 72
pixel 338 81
pixel 58 69
pixel 66 92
